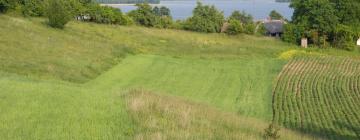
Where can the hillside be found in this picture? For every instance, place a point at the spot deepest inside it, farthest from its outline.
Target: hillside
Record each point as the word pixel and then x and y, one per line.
pixel 94 81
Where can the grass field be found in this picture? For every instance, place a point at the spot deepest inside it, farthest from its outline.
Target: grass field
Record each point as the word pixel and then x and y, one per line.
pixel 93 81
pixel 320 95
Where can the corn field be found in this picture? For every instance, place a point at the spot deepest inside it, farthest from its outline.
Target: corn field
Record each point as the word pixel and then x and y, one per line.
pixel 319 95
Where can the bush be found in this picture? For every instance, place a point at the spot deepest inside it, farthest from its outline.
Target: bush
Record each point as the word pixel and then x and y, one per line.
pixel 163 22
pixel 345 38
pixel 152 17
pixel 261 30
pixel 234 27
pixel 33 8
pixel 272 132
pixel 205 19
pixel 58 13
pixel 293 33
pixel 5 5
pixel 249 29
pixel 106 15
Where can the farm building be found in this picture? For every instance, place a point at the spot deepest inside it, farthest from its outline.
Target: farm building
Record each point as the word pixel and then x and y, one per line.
pixel 274 27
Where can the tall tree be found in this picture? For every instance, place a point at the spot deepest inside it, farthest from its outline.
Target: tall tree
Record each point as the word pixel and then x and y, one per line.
pixel 205 19
pixel 243 17
pixel 319 15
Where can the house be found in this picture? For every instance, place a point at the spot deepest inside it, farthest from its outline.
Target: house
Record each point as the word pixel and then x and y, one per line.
pixel 274 27
pixel 358 42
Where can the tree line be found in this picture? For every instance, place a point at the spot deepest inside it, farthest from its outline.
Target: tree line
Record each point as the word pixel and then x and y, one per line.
pixel 128 1
pixel 205 18
pixel 326 23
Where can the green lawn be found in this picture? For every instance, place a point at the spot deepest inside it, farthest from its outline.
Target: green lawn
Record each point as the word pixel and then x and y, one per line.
pixel 76 83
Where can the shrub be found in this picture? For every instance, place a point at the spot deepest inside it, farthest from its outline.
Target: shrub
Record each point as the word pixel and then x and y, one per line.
pixel 249 29
pixel 147 16
pixel 5 5
pixel 33 8
pixel 205 19
pixel 58 13
pixel 272 132
pixel 293 33
pixel 105 15
pixel 261 30
pixel 345 38
pixel 163 22
pixel 234 27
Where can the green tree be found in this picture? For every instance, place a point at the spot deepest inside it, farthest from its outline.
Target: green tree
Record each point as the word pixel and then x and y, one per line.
pixel 242 16
pixel 58 13
pixel 143 15
pixel 235 27
pixel 315 15
pixel 348 11
pixel 205 19
pixel 164 11
pixel 275 15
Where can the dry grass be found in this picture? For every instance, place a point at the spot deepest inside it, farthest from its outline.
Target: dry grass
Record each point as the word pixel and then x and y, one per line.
pixel 164 117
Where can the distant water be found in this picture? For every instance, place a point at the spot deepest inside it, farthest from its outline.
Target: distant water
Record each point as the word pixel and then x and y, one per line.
pixel 259 9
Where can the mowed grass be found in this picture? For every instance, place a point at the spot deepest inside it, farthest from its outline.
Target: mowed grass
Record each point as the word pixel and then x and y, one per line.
pixel 237 85
pixel 84 51
pixel 320 95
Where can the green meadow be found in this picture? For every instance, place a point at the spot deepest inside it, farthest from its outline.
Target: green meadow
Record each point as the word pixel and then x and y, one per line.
pixel 92 81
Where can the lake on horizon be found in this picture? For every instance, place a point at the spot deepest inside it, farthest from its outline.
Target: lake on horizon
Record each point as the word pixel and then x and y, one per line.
pixel 259 9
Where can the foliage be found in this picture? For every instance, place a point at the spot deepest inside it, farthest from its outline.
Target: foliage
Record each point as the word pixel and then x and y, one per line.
pixel 147 16
pixel 34 7
pixel 261 30
pixel 106 15
pixel 292 33
pixel 58 13
pixel 206 19
pixel 348 11
pixel 274 15
pixel 249 28
pixel 162 11
pixel 234 27
pixel 344 38
pixel 272 132
pixel 128 1
pixel 5 5
pixel 244 17
pixel 319 20
pixel 163 22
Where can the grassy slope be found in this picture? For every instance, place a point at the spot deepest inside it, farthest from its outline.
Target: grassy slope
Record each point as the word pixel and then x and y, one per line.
pixel 238 85
pixel 50 102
